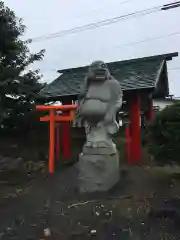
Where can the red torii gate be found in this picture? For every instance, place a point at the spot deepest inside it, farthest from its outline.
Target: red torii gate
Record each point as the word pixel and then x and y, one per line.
pixel 66 116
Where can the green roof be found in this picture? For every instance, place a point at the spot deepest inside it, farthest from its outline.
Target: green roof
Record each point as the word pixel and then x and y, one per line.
pixel 135 74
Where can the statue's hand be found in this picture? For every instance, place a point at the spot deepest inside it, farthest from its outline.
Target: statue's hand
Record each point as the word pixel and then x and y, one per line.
pixel 110 122
pixel 110 116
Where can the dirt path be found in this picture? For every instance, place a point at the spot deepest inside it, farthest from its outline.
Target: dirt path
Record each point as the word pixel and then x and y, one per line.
pixel 52 209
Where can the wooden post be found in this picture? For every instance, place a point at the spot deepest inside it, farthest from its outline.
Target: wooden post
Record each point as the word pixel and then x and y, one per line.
pixel 51 141
pixel 135 129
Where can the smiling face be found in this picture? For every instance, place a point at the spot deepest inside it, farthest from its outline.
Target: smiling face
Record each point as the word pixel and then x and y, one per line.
pixel 98 70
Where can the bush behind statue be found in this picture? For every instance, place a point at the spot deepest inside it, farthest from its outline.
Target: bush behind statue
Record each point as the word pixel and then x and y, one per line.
pixel 165 135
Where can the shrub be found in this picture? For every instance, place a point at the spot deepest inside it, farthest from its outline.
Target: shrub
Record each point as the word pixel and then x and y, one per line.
pixel 164 134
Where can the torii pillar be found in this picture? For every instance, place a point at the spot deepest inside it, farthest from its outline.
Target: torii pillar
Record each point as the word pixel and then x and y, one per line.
pixel 135 130
pixel 66 132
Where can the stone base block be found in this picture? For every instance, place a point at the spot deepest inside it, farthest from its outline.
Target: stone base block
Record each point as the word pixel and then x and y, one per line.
pixel 109 150
pixel 97 172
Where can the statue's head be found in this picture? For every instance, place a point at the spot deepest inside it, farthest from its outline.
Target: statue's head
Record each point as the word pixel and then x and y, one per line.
pixel 98 71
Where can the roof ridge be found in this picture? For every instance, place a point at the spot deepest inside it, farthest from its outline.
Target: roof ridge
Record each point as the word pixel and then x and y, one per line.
pixel 167 56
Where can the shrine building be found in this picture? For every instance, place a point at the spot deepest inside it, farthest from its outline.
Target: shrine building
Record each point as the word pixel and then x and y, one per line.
pixel 142 80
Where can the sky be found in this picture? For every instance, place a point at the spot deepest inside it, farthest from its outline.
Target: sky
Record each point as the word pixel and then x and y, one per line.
pixel 109 43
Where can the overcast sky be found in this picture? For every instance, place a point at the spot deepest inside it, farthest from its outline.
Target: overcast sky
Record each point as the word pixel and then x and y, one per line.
pixel 105 43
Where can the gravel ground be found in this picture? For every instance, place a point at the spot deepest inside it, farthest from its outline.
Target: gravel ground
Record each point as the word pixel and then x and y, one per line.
pixel 144 205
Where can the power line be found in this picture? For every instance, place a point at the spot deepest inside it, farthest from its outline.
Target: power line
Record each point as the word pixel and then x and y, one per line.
pixel 171 5
pixel 142 41
pixel 149 39
pixel 95 24
pixel 105 5
pixel 106 22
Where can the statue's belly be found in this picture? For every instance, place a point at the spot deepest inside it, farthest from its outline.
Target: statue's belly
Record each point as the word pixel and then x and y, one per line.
pixel 94 110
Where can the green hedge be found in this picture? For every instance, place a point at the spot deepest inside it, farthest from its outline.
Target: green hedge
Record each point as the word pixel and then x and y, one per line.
pixel 164 134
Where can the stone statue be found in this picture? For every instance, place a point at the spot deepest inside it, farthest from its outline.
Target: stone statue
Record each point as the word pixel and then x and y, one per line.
pixel 99 102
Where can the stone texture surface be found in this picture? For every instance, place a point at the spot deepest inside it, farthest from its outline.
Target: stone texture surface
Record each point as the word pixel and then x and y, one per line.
pixel 97 172
pixel 109 150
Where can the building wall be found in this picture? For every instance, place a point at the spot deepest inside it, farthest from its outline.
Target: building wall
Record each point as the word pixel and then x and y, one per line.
pixel 161 104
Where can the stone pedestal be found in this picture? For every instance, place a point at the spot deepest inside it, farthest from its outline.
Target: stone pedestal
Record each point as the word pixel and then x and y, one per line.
pixel 97 172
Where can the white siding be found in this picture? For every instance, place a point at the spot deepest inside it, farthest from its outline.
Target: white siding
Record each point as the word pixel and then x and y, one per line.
pixel 162 103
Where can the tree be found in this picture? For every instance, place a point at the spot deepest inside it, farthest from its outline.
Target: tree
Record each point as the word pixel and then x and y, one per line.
pixel 18 86
pixel 165 135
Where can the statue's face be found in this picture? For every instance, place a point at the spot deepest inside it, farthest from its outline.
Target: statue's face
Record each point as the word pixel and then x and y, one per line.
pixel 98 70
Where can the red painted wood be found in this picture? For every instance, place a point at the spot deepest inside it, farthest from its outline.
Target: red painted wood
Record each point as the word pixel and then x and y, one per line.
pixel 67 115
pixel 59 107
pixel 135 156
pixel 51 142
pixel 62 118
